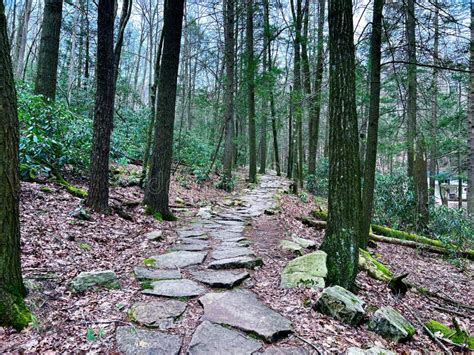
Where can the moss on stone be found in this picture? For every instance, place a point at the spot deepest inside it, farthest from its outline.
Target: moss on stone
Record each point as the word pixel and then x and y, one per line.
pixel 374 268
pixel 458 337
pixel 149 261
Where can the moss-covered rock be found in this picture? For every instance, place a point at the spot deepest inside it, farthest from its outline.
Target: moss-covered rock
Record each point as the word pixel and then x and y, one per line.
pixel 293 247
pixel 374 268
pixel 341 304
pixel 305 271
pixel 456 336
pixel 86 280
pixel 390 324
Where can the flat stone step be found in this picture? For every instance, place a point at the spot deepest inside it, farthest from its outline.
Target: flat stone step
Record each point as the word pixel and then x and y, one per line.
pixel 175 288
pixel 210 338
pixel 157 314
pixel 191 233
pixel 290 350
pixel 192 245
pixel 223 279
pixel 240 262
pixel 241 309
pixel 133 341
pixel 143 273
pixel 178 259
pixel 227 253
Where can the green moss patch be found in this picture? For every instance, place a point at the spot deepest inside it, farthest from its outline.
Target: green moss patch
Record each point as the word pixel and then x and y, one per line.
pixel 456 336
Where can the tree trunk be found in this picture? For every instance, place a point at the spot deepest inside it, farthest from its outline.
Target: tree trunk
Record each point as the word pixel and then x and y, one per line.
pixel 470 191
pixel 411 104
pixel 251 94
pixel 157 191
pixel 290 164
pixel 343 232
pixel 13 311
pixel 98 195
pixel 434 104
pixel 374 114
pixel 229 14
pixel 20 43
pixel 315 109
pixel 46 75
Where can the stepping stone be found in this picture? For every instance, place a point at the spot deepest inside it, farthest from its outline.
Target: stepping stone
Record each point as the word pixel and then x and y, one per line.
pixel 247 262
pixel 175 288
pixel 227 253
pixel 191 233
pixel 241 309
pixel 133 341
pixel 90 279
pixel 157 314
pixel 390 324
pixel 375 350
pixel 209 338
pixel 305 243
pixel 224 279
pixel 143 273
pixel 192 247
pixel 341 304
pixel 235 238
pixel 178 259
pixel 154 235
pixel 307 271
pixel 293 247
pixel 291 350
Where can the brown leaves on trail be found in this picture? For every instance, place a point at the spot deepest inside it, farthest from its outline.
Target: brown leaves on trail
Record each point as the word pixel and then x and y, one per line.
pixel 426 269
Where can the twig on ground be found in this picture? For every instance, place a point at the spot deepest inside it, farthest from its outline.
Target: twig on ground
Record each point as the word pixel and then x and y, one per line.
pixel 309 343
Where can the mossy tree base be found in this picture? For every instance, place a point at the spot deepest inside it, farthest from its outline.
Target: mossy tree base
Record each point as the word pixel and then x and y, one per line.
pixel 13 311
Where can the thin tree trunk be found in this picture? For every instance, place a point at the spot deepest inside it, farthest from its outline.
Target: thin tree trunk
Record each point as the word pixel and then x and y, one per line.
pixel 13 311
pixel 412 87
pixel 157 191
pixel 20 43
pixel 46 75
pixel 374 114
pixel 434 104
pixel 470 190
pixel 251 93
pixel 343 232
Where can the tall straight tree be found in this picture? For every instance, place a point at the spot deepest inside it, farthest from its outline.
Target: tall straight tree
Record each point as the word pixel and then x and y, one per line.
pixel 434 104
pixel 315 109
pixel 13 311
pixel 251 93
pixel 374 114
pixel 344 204
pixel 229 38
pixel 47 72
pixel 157 190
pixel 20 43
pixel 98 195
pixel 470 190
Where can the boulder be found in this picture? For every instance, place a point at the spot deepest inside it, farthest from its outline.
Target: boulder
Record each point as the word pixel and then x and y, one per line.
pixel 154 235
pixel 89 279
pixel 341 304
pixel 143 273
pixel 156 314
pixel 133 341
pixel 293 247
pixel 390 324
pixel 210 338
pixel 81 214
pixel 308 271
pixel 305 243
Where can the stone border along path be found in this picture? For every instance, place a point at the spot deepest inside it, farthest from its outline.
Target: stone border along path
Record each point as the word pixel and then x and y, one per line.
pixel 217 255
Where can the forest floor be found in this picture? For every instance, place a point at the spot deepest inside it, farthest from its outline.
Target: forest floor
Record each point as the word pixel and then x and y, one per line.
pixel 56 247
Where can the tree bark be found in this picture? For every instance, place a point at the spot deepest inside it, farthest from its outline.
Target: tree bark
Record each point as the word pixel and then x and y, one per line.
pixel 470 192
pixel 343 232
pixel 251 94
pixel 47 72
pixel 13 311
pixel 229 39
pixel 434 104
pixel 374 114
pixel 98 194
pixel 157 191
pixel 412 87
pixel 20 43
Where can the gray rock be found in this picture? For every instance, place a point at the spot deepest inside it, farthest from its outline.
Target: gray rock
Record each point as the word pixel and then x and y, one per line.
pixel 157 314
pixel 192 233
pixel 293 247
pixel 308 271
pixel 375 350
pixel 133 341
pixel 241 309
pixel 341 304
pixel 224 279
pixel 175 288
pixel 209 338
pixel 192 246
pixel 227 253
pixel 154 235
pixel 143 273
pixel 81 214
pixel 247 262
pixel 178 259
pixel 204 212
pixel 390 324
pixel 86 280
pixel 305 243
pixel 291 350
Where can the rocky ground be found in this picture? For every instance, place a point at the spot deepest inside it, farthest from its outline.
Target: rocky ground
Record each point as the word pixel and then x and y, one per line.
pixel 209 283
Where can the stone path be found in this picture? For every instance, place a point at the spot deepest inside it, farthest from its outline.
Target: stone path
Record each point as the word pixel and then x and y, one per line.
pixel 210 260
